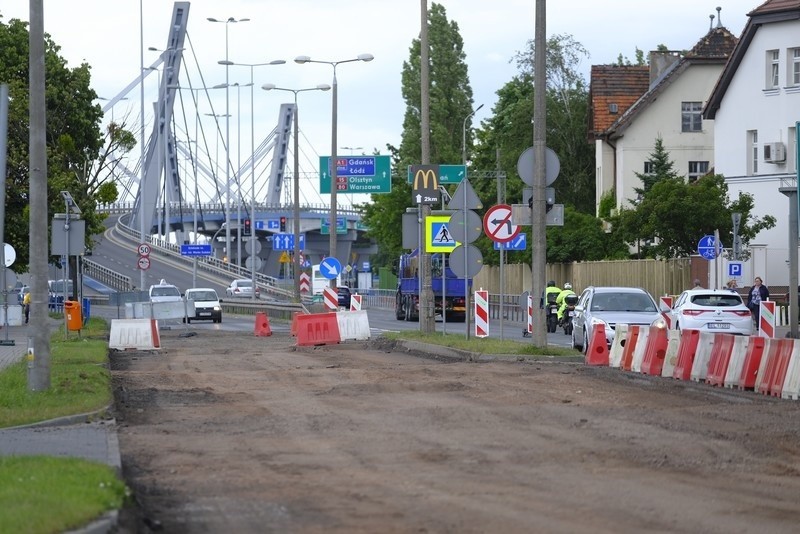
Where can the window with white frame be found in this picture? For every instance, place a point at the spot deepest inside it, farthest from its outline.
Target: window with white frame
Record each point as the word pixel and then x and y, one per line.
pixel 794 68
pixel 752 160
pixel 773 69
pixel 649 167
pixel 697 169
pixel 691 116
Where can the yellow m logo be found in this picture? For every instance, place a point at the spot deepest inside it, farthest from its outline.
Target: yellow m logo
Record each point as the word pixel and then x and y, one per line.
pixel 425 175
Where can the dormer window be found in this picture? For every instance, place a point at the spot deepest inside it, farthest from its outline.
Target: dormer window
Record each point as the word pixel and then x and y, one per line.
pixel 613 109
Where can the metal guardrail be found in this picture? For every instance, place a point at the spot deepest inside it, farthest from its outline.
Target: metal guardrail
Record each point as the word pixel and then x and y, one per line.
pixel 268 284
pixel 103 274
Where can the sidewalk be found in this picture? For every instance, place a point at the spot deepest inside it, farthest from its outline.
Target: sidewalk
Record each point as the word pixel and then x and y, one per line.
pixel 73 436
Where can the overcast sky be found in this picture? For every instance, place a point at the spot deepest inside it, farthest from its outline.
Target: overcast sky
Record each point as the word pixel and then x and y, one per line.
pixel 106 34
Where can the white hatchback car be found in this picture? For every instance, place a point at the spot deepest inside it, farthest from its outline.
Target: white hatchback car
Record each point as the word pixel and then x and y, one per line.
pixel 242 288
pixel 712 310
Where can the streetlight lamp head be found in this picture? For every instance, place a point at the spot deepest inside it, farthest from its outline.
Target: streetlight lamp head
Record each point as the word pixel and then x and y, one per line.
pixel 212 19
pixel 365 57
pixel 302 59
pixel 224 62
pixel 220 86
pixel 268 86
pixel 277 62
pixel 478 108
pixel 324 87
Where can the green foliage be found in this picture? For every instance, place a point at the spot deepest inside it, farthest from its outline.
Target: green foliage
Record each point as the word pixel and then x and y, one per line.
pixel 73 138
pixel 608 202
pixel 663 168
pixel 582 238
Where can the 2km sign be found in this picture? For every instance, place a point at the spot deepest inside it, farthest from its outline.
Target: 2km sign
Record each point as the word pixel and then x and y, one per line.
pixel 497 224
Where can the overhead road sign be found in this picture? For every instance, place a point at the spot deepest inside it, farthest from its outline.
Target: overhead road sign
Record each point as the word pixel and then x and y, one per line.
pixel 448 174
pixel 196 250
pixel 325 226
pixel 357 174
pixel 286 242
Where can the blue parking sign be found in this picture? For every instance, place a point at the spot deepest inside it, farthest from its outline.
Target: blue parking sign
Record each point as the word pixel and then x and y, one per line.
pixel 734 269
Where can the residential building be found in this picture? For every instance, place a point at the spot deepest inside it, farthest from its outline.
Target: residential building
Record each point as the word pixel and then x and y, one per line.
pixel 755 107
pixel 633 106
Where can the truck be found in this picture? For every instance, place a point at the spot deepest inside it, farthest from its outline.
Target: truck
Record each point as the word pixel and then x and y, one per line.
pixel 408 288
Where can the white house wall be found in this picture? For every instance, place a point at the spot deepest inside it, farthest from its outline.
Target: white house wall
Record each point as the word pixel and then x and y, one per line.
pixel 748 106
pixel 663 117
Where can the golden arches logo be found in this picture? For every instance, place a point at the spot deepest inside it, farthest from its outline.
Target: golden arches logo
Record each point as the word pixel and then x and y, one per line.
pixel 426 174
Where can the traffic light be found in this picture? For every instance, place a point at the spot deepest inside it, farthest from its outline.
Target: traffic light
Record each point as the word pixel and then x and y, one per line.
pixel 247 228
pixel 283 224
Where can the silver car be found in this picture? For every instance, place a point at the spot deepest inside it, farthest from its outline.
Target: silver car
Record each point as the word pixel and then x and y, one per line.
pixel 606 307
pixel 242 288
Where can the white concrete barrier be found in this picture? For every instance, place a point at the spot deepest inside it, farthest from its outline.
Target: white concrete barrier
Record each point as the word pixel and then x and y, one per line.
pixel 702 356
pixel 155 310
pixel 14 315
pixel 353 325
pixel 134 334
pixel 791 384
pixel 671 357
pixel 736 362
pixel 618 345
pixel 638 351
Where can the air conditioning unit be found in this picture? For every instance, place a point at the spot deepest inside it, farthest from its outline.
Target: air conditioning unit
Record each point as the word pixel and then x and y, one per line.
pixel 774 152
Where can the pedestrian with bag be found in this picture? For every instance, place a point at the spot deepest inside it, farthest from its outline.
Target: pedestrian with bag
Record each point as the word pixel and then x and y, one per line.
pixel 755 296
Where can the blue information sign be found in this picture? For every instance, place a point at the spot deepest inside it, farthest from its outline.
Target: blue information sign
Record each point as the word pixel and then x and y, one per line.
pixel 286 242
pixel 196 250
pixel 735 269
pixel 708 247
pixel 330 268
pixel 273 224
pixel 519 242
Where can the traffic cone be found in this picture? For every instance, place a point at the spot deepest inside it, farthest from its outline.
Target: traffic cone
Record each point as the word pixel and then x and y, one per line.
pixel 262 328
pixel 597 351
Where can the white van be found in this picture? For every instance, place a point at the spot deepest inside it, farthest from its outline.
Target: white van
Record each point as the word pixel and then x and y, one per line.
pixel 202 303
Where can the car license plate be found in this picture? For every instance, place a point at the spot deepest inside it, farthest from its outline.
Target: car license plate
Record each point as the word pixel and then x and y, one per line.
pixel 719 326
pixel 205 314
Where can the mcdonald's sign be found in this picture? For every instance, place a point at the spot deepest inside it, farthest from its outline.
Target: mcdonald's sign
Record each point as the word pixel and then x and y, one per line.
pixel 425 184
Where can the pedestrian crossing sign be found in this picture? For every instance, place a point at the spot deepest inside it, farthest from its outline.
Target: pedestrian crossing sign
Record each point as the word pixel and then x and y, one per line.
pixel 437 234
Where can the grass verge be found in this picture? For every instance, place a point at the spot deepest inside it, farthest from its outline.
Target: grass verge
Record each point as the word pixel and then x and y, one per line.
pixel 46 494
pixel 486 345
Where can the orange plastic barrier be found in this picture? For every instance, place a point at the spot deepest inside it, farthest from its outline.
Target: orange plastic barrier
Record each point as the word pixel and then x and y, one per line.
pixel 262 328
pixel 686 352
pixel 317 329
pixel 655 351
pixel 630 347
pixel 770 382
pixel 597 351
pixel 293 327
pixel 752 361
pixel 720 358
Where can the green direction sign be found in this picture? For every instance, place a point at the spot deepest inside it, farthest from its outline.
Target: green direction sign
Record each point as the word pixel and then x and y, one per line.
pixel 357 174
pixel 325 226
pixel 448 174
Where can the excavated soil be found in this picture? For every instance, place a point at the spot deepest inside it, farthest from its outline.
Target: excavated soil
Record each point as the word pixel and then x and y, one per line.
pixel 225 432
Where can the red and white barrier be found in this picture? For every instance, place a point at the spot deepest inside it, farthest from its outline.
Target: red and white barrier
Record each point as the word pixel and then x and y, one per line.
pixel 766 319
pixel 530 315
pixel 736 362
pixel 355 302
pixel 671 357
pixel 618 346
pixel 331 298
pixel 305 283
pixel 353 325
pixel 134 334
pixel 791 386
pixel 638 351
pixel 481 313
pixel 702 356
pixel 666 300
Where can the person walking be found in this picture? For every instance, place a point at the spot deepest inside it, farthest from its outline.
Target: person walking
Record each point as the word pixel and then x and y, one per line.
pixel 26 306
pixel 758 292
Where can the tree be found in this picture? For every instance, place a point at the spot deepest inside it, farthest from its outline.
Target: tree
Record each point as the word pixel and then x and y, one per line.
pixel 450 103
pixel 663 168
pixel 73 133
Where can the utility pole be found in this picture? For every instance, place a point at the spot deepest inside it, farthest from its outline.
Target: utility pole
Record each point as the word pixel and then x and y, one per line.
pixel 427 322
pixel 538 214
pixel 39 367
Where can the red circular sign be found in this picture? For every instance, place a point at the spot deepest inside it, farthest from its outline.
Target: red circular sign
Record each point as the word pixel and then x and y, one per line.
pixel 144 263
pixel 497 224
pixel 144 249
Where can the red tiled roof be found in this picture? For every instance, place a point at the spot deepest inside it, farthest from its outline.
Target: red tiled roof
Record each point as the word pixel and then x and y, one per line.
pixel 775 6
pixel 622 85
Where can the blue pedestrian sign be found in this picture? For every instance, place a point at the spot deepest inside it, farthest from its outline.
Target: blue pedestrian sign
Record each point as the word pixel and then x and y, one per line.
pixel 708 247
pixel 196 250
pixel 330 268
pixel 286 242
pixel 735 269
pixel 519 242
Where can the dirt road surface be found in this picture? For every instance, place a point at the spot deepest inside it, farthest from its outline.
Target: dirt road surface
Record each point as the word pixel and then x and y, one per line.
pixel 227 432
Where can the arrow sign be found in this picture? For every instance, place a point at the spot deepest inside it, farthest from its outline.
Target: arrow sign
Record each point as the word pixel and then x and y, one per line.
pixel 518 243
pixel 330 268
pixel 497 224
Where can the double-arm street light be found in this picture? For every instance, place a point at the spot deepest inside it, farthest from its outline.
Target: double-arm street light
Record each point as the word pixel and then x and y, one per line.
pixel 227 22
pixel 297 263
pixel 334 119
pixel 228 63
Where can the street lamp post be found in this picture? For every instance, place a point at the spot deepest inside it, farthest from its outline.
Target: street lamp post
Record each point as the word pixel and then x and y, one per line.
pixel 464 135
pixel 215 169
pixel 296 172
pixel 227 22
pixel 228 63
pixel 334 119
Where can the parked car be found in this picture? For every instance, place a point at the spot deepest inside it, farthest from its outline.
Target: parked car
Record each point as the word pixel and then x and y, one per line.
pixel 205 304
pixel 164 292
pixel 344 297
pixel 712 310
pixel 242 288
pixel 606 307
